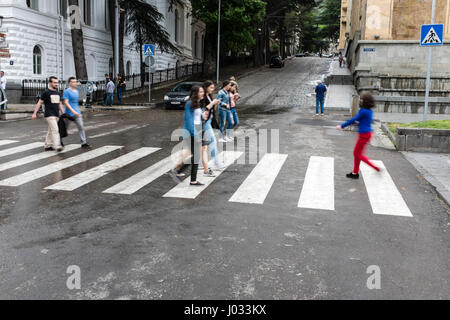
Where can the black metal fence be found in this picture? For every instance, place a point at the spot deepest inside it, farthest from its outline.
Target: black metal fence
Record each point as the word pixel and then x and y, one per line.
pixel 94 91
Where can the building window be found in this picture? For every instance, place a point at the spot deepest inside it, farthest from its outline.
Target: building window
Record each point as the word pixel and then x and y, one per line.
pixel 177 18
pixel 111 66
pixel 37 60
pixel 129 70
pixel 87 12
pixel 196 44
pixel 63 7
pixel 33 4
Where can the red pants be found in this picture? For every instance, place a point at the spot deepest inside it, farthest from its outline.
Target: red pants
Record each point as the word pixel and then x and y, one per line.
pixel 358 153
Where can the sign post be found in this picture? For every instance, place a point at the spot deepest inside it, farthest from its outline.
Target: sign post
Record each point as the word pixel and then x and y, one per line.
pixel 431 35
pixel 149 51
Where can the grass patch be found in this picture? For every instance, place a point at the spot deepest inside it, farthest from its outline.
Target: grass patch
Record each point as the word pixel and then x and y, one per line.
pixel 432 124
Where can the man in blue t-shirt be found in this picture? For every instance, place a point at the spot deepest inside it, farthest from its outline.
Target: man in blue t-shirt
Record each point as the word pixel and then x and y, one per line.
pixel 71 99
pixel 321 91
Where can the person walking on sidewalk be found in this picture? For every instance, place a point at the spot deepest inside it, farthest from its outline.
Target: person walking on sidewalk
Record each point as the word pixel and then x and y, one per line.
pixel 3 87
pixel 71 99
pixel 110 88
pixel 321 91
pixel 225 111
pixel 51 99
pixel 234 97
pixel 209 112
pixel 192 135
pixel 120 85
pixel 341 60
pixel 365 120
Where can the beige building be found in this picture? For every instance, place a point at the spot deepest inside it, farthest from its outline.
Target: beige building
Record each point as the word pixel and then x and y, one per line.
pixel 381 41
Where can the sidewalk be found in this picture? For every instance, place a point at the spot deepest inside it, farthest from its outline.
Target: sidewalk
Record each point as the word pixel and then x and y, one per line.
pixel 435 168
pixel 339 96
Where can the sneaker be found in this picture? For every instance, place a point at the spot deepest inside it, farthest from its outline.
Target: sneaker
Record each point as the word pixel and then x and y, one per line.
pixel 59 149
pixel 353 176
pixel 209 174
pixel 229 139
pixel 222 140
pixel 48 149
pixel 85 146
pixel 198 184
pixel 322 114
pixel 219 166
pixel 175 176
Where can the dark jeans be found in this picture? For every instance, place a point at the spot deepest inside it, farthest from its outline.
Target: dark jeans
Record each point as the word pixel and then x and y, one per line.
pixel 119 94
pixel 196 148
pixel 109 99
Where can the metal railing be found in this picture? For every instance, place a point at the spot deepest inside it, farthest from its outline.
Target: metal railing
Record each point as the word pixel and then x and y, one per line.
pixel 94 91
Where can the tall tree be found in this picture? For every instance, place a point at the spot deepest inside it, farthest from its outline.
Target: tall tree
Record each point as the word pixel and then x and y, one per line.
pixel 239 19
pixel 143 24
pixel 77 40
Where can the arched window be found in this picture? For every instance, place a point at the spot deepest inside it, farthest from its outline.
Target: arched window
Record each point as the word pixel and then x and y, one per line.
pixel 111 66
pixel 37 60
pixel 33 4
pixel 129 70
pixel 196 44
pixel 177 18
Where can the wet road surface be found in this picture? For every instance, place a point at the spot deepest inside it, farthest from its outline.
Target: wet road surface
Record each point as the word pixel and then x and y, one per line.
pixel 267 245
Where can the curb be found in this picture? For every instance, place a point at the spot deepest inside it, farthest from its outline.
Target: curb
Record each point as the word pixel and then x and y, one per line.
pixel 443 193
pixel 388 133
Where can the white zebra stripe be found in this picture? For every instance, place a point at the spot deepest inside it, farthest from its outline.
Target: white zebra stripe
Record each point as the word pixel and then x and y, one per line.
pixel 384 196
pixel 55 167
pixel 318 188
pixel 93 174
pixel 19 149
pixel 258 184
pixel 185 191
pixel 36 157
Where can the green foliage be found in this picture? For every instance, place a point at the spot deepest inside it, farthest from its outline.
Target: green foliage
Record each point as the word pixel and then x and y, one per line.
pixel 239 20
pixel 144 25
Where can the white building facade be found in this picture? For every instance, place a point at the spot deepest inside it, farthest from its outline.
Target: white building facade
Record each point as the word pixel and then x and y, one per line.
pixel 40 42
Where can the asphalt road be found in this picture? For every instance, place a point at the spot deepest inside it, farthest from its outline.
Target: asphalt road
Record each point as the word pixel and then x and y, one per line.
pixel 146 246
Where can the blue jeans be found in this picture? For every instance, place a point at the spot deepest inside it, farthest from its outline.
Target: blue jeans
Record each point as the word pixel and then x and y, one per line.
pixel 119 95
pixel 320 102
pixel 225 115
pixel 235 117
pixel 209 133
pixel 109 99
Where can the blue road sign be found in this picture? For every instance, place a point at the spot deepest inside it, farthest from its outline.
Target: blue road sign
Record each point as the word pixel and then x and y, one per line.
pixel 432 35
pixel 149 50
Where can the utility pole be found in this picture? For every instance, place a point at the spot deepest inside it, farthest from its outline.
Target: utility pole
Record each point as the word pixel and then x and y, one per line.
pixel 218 43
pixel 430 53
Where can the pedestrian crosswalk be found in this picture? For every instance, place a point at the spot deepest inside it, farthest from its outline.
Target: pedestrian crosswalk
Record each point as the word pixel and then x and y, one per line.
pixel 317 192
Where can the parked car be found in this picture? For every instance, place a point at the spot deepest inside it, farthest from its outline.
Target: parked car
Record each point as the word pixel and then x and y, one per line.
pixel 330 55
pixel 300 55
pixel 179 95
pixel 276 62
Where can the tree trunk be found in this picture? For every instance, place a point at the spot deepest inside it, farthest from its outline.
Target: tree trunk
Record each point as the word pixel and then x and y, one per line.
pixel 112 26
pixel 121 37
pixel 77 42
pixel 210 60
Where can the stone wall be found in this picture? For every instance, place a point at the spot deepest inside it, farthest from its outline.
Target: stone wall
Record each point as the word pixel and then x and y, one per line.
pixel 423 140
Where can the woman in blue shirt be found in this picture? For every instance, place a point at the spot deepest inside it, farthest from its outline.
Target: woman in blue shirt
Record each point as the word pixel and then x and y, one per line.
pixel 192 135
pixel 225 111
pixel 365 120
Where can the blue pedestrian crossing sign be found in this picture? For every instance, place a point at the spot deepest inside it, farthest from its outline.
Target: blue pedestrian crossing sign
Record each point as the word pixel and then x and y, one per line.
pixel 149 50
pixel 432 35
